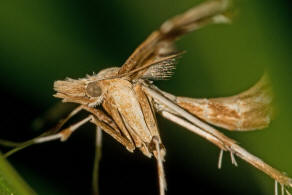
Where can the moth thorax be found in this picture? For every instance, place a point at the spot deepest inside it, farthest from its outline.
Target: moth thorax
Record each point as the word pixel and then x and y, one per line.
pixel 93 90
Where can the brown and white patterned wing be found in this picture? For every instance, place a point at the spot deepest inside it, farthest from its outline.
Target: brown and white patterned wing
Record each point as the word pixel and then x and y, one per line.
pixel 161 42
pixel 248 110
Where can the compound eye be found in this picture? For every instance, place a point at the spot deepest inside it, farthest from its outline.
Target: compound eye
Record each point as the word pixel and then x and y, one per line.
pixel 93 89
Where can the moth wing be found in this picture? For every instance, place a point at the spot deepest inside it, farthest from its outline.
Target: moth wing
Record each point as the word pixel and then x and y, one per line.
pixel 160 69
pixel 108 125
pixel 160 43
pixel 249 110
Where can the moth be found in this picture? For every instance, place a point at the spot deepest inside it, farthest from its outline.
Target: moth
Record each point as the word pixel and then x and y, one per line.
pixel 123 101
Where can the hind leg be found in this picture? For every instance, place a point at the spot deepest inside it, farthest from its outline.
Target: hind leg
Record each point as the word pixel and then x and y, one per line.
pixel 97 157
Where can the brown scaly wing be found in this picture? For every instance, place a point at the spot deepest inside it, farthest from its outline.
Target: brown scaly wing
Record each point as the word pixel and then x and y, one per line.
pixel 248 110
pixel 110 126
pixel 161 42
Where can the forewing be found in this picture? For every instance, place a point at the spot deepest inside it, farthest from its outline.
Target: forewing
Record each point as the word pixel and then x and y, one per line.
pixel 161 42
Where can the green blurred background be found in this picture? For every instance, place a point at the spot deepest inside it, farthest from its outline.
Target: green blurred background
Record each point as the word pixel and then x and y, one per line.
pixel 43 41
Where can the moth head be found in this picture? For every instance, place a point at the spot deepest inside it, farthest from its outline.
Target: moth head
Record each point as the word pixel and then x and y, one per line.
pixel 87 91
pixel 72 90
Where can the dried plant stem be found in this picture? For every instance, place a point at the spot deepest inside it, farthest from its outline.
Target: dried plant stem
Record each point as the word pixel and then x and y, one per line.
pixel 177 115
pixel 7 143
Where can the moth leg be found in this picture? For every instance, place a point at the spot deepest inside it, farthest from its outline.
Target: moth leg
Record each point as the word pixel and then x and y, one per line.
pixel 63 135
pixel 97 157
pixel 168 104
pixel 52 115
pixel 60 124
pixel 233 160
pixel 284 190
pixel 106 127
pixel 220 159
pixel 160 168
pixel 278 176
pixel 276 187
pixel 63 121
